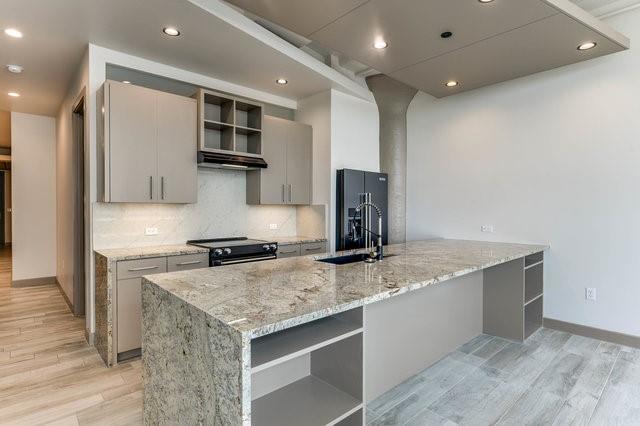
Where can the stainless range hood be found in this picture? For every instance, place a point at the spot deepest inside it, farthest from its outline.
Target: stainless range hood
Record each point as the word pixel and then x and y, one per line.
pixel 230 161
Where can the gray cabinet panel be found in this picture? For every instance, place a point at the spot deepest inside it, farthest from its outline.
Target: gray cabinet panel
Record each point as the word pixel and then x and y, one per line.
pixel 289 250
pixel 177 150
pixel 272 179
pixel 129 307
pixel 187 261
pixel 132 144
pixel 299 164
pixel 313 248
pixel 287 148
pixel 141 267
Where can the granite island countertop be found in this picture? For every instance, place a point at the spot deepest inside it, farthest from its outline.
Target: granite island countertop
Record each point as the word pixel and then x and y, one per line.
pixel 255 299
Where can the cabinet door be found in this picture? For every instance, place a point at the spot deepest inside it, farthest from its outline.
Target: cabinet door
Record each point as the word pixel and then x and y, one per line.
pixel 272 179
pixel 299 163
pixel 177 149
pixel 129 314
pixel 288 250
pixel 186 262
pixel 133 163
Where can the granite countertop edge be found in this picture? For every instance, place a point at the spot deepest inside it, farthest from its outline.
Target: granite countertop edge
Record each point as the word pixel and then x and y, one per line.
pixel 145 252
pixel 254 331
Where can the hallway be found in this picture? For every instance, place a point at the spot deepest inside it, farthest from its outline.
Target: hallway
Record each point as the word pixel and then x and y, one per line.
pixel 48 373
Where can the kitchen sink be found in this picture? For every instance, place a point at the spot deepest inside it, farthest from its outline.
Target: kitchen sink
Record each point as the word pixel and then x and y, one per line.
pixel 350 258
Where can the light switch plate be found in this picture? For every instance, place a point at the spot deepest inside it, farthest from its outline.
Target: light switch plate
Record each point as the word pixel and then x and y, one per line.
pixel 487 228
pixel 273 226
pixel 151 231
pixel 590 294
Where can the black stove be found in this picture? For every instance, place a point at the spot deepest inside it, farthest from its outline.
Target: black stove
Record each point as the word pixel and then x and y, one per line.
pixel 226 251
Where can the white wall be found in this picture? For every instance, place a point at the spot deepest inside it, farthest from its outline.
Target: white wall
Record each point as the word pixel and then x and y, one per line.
pixel 551 158
pixel 355 142
pixel 33 189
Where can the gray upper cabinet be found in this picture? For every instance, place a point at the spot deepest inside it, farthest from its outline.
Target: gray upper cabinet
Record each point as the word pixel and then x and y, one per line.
pixel 177 158
pixel 287 149
pixel 147 145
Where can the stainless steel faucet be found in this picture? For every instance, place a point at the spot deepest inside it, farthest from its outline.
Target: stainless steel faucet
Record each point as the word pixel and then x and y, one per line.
pixel 366 226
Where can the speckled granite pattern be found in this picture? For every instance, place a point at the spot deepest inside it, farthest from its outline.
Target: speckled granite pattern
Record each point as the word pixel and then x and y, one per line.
pixel 264 297
pixel 131 253
pixel 103 336
pixel 105 271
pixel 196 370
pixel 297 239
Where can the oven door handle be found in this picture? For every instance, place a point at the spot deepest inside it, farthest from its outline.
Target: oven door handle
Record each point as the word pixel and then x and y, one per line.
pixel 246 260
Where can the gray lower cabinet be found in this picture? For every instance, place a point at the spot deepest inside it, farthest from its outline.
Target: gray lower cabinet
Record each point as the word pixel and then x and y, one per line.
pixel 147 145
pixel 128 309
pixel 287 149
pixel 302 249
pixel 289 250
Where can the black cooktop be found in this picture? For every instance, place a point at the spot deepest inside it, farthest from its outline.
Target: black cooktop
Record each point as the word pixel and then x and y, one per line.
pixel 226 242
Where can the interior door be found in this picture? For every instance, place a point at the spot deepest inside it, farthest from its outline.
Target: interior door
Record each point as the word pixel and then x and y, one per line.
pixel 299 163
pixel 133 158
pixel 273 178
pixel 177 149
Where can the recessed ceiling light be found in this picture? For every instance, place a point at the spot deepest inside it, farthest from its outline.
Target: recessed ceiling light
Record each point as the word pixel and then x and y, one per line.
pixel 380 44
pixel 282 81
pixel 171 31
pixel 588 45
pixel 16 69
pixel 451 83
pixel 12 32
pixel 126 81
pixel 14 94
pixel 485 1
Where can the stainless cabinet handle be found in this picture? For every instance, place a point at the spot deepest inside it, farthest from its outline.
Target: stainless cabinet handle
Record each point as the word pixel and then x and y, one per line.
pixel 162 187
pixel 312 248
pixel 287 252
pixel 283 192
pixel 193 262
pixel 151 187
pixel 290 189
pixel 144 268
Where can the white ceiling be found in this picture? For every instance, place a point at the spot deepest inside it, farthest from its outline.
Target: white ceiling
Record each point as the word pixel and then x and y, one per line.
pixel 56 33
pixel 491 42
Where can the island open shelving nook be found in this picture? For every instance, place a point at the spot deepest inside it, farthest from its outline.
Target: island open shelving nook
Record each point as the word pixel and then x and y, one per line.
pixel 302 342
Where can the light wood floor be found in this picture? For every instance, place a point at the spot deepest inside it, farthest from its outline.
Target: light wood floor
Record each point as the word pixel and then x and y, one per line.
pixel 554 378
pixel 48 373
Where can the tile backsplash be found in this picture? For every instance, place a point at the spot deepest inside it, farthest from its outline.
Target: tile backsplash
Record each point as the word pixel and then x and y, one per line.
pixel 221 211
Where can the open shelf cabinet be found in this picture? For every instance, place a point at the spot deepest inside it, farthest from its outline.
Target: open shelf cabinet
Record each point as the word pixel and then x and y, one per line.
pixel 513 297
pixel 228 124
pixel 311 374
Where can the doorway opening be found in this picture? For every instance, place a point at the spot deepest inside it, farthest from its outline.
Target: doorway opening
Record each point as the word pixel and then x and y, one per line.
pixel 79 206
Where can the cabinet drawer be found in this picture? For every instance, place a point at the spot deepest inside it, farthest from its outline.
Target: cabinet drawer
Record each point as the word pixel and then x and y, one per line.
pixel 289 250
pixel 313 248
pixel 187 261
pixel 140 267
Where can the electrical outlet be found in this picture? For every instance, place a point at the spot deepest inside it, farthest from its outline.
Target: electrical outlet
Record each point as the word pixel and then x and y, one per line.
pixel 151 231
pixel 590 294
pixel 273 226
pixel 487 228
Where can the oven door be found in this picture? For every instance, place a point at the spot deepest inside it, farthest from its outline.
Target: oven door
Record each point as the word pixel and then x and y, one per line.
pixel 233 261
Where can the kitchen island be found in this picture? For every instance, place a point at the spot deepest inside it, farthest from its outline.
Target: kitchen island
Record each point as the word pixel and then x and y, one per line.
pixel 298 341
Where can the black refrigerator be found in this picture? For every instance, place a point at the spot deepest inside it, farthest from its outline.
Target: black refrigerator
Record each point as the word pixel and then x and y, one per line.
pixel 350 184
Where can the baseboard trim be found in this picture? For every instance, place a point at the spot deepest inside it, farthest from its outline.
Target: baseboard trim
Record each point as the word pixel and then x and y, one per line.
pixel 89 337
pixel 34 282
pixel 594 333
pixel 64 295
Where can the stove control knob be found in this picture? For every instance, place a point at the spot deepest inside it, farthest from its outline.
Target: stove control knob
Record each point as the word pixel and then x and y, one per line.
pixel 265 247
pixel 273 247
pixel 217 252
pixel 227 251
